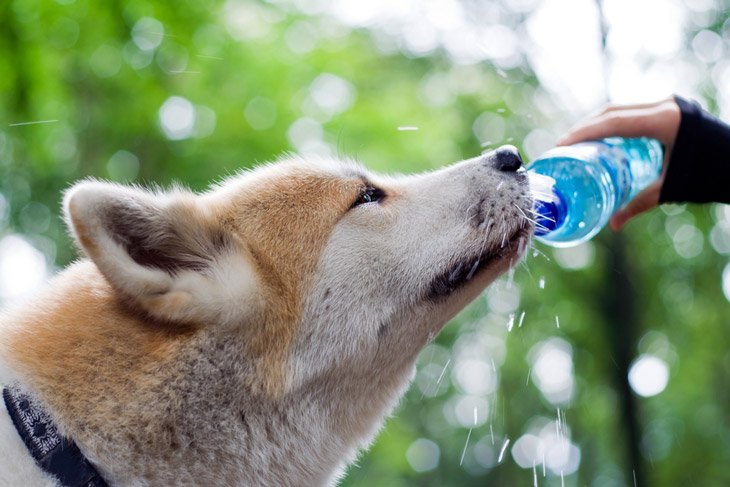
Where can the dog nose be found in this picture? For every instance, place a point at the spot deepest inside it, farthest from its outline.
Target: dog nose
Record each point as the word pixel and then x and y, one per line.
pixel 506 158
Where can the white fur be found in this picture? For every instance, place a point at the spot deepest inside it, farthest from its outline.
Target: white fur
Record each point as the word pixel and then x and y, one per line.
pixel 18 467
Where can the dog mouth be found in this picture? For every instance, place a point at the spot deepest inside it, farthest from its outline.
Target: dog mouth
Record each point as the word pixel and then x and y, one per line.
pixel 464 271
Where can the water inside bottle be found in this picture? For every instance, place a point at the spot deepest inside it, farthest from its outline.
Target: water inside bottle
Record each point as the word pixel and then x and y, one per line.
pixel 576 188
pixel 581 197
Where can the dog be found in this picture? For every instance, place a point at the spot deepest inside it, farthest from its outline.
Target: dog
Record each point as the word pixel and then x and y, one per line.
pixel 258 333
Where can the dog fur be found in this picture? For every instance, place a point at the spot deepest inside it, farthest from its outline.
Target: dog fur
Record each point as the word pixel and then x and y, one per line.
pixel 257 333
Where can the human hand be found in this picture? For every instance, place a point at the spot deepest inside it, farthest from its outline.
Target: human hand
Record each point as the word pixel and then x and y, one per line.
pixel 659 120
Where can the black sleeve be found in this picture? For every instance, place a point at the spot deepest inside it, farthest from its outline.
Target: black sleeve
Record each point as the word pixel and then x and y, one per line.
pixel 699 167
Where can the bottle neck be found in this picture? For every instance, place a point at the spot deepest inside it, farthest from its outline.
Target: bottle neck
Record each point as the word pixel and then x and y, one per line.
pixel 550 212
pixel 549 208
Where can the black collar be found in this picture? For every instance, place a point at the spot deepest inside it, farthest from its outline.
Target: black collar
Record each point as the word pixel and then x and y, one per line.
pixel 56 454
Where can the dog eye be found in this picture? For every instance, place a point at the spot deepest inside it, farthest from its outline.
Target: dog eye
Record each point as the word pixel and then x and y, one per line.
pixel 369 194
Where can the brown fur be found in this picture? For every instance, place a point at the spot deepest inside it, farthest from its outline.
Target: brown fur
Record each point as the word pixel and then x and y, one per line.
pixel 283 223
pixel 284 254
pixel 87 343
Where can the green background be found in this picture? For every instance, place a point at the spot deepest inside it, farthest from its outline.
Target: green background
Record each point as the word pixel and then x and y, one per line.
pixel 98 73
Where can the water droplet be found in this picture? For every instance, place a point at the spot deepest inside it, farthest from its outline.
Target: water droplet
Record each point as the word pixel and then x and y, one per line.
pixel 582 225
pixel 463 453
pixel 502 450
pixel 541 283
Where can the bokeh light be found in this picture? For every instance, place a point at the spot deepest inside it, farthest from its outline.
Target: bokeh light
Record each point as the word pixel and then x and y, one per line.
pixel 648 375
pixel 423 455
pixel 22 268
pixel 148 33
pixel 574 258
pixel 177 118
pixel 123 166
pixel 260 113
pixel 552 369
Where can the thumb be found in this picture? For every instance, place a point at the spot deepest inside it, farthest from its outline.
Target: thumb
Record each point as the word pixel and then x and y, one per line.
pixel 646 200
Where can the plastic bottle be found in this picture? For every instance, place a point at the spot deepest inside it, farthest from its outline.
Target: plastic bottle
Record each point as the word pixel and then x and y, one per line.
pixel 577 188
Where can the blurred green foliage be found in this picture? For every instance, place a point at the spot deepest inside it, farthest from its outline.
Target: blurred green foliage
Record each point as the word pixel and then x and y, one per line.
pixel 98 74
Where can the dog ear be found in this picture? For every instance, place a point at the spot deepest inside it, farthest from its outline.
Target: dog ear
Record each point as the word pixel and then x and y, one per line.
pixel 161 251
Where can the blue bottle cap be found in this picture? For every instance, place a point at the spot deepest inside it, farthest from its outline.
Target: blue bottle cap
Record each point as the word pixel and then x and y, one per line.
pixel 549 214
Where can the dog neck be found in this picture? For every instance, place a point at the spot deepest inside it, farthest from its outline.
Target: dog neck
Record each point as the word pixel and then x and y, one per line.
pixel 170 406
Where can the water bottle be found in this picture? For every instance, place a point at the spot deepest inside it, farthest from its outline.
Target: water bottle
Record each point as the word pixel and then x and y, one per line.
pixel 577 188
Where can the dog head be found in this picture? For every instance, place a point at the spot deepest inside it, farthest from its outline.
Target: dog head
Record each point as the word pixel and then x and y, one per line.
pixel 315 265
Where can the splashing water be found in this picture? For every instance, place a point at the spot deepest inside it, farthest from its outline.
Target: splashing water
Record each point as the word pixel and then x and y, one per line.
pixel 557 321
pixel 438 382
pixel 463 453
pixel 541 186
pixel 469 436
pixel 502 450
pixel 558 426
pixel 541 283
pixel 407 128
pixel 18 124
pixel 511 322
pixel 522 317
pixel 511 274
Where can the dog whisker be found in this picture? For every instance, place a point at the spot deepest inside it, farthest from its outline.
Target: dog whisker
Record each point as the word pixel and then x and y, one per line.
pixel 473 269
pixel 541 215
pixel 534 222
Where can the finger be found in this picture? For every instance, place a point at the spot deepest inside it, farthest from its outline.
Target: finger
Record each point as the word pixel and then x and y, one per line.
pixel 638 106
pixel 646 200
pixel 622 123
pixel 650 119
pixel 592 128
